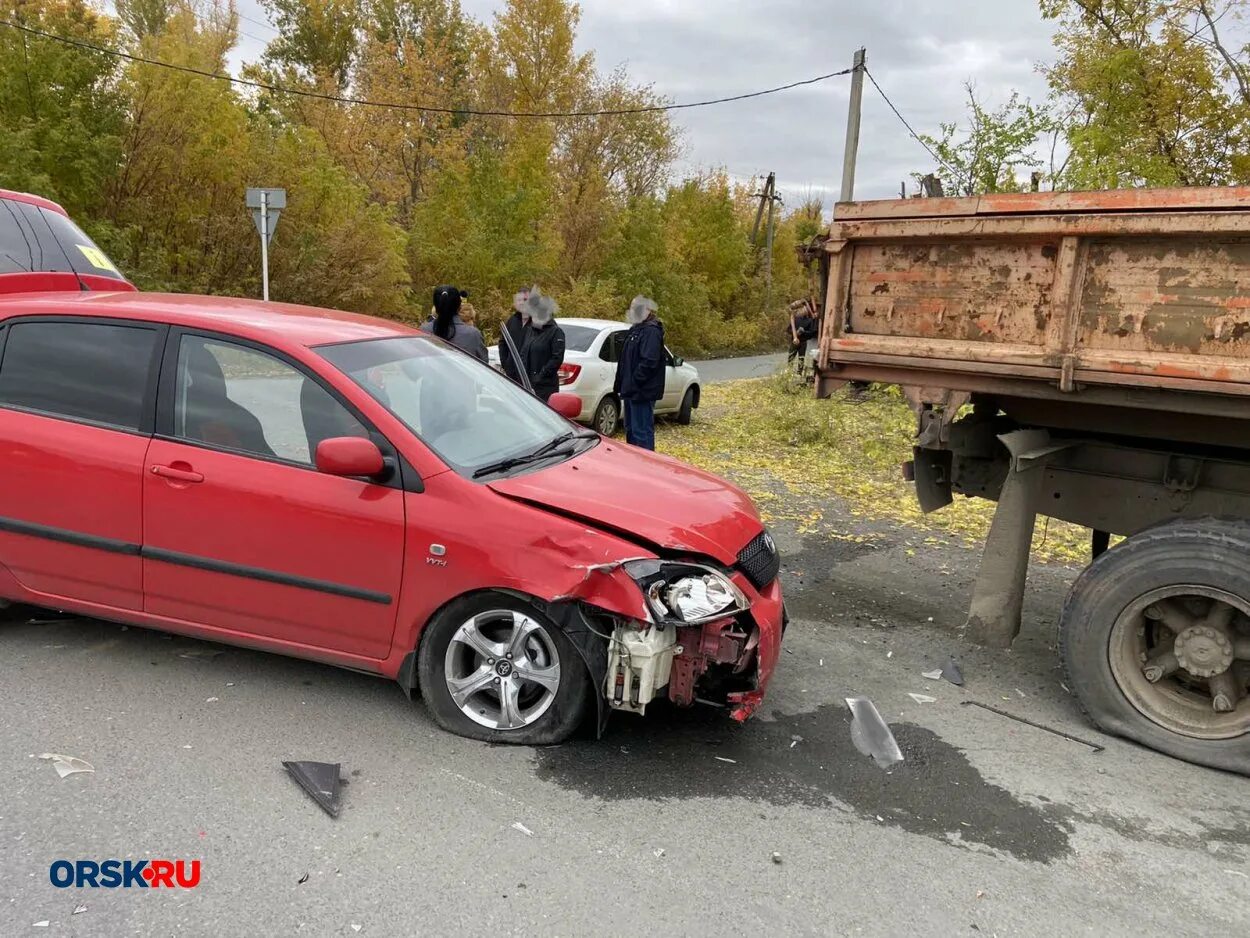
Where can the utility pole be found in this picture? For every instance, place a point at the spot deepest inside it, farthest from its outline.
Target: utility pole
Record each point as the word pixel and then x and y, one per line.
pixel 851 150
pixel 770 197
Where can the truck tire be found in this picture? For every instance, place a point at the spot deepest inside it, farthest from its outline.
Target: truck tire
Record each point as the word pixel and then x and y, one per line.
pixel 1155 635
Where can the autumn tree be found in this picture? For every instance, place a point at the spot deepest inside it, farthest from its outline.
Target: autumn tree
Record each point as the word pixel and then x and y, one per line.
pixel 1150 93
pixel 993 150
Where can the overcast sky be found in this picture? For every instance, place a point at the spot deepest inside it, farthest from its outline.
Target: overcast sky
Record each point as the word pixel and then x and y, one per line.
pixel 921 52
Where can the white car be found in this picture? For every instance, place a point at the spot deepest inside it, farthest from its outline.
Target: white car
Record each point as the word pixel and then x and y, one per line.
pixel 591 350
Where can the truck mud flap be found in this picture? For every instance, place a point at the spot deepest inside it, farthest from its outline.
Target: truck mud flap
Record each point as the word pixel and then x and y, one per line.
pixel 932 469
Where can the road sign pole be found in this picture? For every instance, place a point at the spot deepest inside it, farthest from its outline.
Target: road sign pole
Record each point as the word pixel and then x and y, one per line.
pixel 264 245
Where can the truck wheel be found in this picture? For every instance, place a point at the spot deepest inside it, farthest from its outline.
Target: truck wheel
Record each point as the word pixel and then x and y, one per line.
pixel 607 416
pixel 687 408
pixel 494 668
pixel 1155 640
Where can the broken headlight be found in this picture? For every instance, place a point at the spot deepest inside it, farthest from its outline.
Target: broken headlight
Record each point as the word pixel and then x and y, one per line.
pixel 686 592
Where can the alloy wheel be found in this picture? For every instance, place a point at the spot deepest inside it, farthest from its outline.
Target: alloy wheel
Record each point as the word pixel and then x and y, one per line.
pixel 502 669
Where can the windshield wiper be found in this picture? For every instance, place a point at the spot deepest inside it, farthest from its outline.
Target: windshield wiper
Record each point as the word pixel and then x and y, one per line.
pixel 547 449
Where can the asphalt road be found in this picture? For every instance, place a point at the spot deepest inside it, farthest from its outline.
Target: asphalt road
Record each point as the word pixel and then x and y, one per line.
pixel 668 825
pixel 731 369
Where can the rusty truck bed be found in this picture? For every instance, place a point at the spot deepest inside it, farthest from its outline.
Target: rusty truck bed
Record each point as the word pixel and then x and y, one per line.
pixel 1131 298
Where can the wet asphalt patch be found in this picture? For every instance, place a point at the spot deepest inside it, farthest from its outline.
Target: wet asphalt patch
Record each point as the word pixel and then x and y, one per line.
pixel 700 753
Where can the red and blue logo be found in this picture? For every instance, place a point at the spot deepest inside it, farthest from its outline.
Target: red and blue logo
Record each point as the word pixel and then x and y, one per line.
pixel 112 874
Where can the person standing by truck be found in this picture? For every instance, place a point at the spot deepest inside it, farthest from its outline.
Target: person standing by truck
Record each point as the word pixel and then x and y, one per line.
pixel 804 326
pixel 542 345
pixel 640 372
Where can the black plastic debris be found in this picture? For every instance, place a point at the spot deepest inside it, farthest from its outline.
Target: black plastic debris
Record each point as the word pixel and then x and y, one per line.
pixel 951 672
pixel 320 780
pixel 871 734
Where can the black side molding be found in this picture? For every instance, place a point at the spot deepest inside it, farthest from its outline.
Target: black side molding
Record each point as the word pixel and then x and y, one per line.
pixel 108 544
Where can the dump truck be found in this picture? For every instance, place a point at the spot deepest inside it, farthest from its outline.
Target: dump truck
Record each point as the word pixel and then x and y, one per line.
pixel 1083 356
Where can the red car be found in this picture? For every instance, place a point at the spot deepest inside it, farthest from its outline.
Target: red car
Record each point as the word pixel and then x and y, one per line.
pixel 345 489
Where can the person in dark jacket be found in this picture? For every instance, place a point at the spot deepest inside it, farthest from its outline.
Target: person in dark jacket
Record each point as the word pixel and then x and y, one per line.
pixel 449 327
pixel 804 326
pixel 542 345
pixel 516 325
pixel 640 372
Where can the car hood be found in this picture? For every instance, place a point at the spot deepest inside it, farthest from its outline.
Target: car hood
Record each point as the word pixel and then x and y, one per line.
pixel 646 497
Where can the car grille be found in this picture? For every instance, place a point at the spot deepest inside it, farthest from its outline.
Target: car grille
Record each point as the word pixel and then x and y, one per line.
pixel 760 561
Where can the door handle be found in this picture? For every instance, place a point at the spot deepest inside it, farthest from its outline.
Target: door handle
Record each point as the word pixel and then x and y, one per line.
pixel 177 475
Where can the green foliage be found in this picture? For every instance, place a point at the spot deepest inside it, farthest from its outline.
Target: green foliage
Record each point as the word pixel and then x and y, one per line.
pixel 992 151
pixel 384 203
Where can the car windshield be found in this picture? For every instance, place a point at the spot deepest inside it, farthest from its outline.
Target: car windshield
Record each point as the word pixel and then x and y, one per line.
pixel 469 414
pixel 34 239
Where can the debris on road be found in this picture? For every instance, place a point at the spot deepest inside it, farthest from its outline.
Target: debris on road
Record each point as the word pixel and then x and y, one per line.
pixel 321 781
pixel 518 826
pixel 951 672
pixel 934 675
pixel 212 699
pixel 43 924
pixel 67 765
pixel 659 852
pixel 922 698
pixel 1027 722
pixel 201 653
pixel 78 910
pixel 723 759
pixel 871 734
pixel 303 879
pixel 777 858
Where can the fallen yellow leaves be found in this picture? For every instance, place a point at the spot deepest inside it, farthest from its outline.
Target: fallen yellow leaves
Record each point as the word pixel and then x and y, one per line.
pixel 798 457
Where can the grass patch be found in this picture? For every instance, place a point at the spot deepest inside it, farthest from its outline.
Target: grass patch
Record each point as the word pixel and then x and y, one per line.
pixel 795 454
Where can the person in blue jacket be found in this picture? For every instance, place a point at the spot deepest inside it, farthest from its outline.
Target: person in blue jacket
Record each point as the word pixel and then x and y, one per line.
pixel 640 372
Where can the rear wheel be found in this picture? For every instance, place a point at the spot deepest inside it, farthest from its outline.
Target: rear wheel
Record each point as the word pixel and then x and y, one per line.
pixel 607 415
pixel 494 668
pixel 1156 641
pixel 686 412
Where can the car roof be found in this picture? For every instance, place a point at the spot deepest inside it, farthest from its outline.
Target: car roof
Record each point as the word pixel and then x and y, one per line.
pixel 32 200
pixel 272 323
pixel 591 323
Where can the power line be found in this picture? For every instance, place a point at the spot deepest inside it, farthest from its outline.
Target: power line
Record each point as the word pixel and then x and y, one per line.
pixel 916 136
pixel 402 106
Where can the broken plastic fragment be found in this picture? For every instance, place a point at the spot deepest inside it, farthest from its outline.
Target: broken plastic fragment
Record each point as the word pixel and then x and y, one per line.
pixel 871 734
pixel 201 653
pixel 67 765
pixel 659 852
pixel 777 858
pixel 78 910
pixel 951 672
pixel 934 675
pixel 320 780
pixel 723 759
pixel 43 924
pixel 922 698
pixel 518 826
pixel 212 699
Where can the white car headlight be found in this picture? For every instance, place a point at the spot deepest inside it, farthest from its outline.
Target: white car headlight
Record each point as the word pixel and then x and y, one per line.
pixel 685 592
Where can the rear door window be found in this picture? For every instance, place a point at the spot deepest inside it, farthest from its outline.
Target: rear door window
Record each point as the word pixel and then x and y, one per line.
pixel 610 351
pixel 93 372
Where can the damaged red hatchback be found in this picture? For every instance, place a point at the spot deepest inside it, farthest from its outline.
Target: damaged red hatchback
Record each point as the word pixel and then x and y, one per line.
pixel 344 489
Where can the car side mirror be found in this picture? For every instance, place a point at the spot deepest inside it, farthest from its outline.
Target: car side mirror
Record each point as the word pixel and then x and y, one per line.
pixel 566 405
pixel 349 456
pixel 678 361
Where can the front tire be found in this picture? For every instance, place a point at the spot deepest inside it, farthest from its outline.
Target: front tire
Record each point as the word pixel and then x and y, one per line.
pixel 1155 640
pixel 495 668
pixel 686 413
pixel 607 416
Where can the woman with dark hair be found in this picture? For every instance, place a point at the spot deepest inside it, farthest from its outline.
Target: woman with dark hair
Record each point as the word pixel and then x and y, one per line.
pixel 448 326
